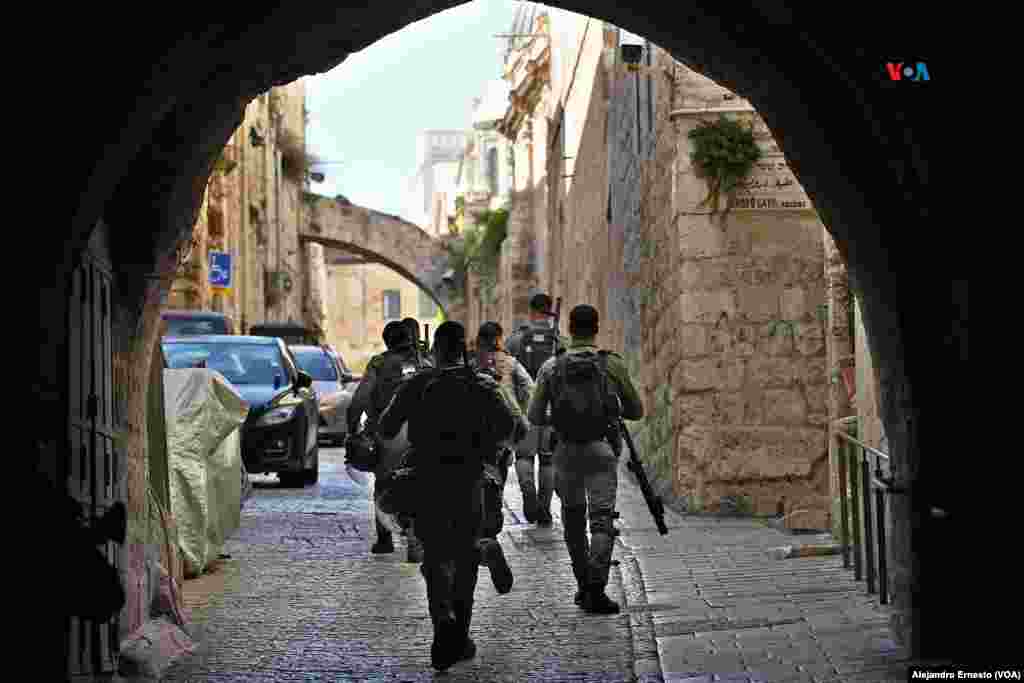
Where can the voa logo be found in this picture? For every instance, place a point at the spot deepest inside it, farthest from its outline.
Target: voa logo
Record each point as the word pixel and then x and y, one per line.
pixel 905 71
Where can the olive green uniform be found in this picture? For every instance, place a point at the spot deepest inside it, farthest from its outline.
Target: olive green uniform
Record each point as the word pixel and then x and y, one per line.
pixel 586 474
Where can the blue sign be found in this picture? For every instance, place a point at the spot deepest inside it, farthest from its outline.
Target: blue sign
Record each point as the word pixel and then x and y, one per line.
pixel 220 270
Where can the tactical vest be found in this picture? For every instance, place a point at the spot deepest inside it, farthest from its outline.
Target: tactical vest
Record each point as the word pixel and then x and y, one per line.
pixel 396 366
pixel 536 345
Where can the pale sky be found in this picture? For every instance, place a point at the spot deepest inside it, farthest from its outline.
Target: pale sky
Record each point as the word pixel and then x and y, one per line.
pixel 368 111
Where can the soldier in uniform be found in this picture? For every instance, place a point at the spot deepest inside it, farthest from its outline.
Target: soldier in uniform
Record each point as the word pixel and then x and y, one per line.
pixel 517 385
pixel 384 373
pixel 569 389
pixel 414 329
pixel 533 345
pixel 456 417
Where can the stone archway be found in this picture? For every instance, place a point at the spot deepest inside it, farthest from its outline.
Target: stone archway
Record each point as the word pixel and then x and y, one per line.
pixel 163 99
pixel 381 238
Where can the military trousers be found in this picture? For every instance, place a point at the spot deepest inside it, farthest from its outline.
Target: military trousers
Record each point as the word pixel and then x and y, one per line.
pixel 586 478
pixel 532 453
pixel 391 452
pixel 495 476
pixel 448 525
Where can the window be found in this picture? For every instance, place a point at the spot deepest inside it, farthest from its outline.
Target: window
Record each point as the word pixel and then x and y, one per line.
pixel 239 363
pixel 392 304
pixel 428 309
pixel 317 364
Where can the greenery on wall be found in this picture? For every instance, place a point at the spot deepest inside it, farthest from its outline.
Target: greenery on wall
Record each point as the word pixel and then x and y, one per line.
pixel 724 153
pixel 653 435
pixel 478 250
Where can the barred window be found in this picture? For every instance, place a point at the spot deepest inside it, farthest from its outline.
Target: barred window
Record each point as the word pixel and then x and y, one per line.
pixel 392 304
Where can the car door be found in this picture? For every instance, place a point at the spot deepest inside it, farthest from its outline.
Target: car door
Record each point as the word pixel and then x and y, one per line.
pixel 309 398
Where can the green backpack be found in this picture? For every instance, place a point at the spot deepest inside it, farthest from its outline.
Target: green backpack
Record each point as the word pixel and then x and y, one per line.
pixel 583 395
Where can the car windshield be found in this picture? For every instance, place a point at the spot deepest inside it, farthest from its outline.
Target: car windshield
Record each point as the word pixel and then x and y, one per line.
pixel 317 364
pixel 181 327
pixel 239 363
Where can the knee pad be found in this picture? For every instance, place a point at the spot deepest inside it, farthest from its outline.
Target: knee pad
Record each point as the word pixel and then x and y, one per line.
pixel 602 522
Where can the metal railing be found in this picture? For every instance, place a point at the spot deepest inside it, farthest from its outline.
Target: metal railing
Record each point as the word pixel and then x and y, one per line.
pixel 858 485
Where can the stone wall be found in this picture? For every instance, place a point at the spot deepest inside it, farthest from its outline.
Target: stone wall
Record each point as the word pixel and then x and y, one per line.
pixel 252 211
pixel 841 361
pixel 356 309
pixel 744 303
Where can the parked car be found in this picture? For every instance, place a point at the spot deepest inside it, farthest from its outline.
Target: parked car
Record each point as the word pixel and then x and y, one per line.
pixel 179 323
pixel 335 385
pixel 293 334
pixel 280 432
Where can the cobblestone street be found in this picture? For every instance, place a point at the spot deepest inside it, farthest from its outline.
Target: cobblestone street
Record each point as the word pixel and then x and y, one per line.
pixel 300 598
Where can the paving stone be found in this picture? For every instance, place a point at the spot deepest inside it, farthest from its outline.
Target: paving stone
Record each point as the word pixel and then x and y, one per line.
pixel 302 599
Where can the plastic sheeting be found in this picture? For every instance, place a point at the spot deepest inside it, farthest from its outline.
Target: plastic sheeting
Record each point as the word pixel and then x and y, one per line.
pixel 204 414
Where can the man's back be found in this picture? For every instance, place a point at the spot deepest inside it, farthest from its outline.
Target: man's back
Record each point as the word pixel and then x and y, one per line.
pixel 533 344
pixel 453 409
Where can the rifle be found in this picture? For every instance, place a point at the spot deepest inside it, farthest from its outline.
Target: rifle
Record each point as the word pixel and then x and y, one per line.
pixel 634 465
pixel 557 316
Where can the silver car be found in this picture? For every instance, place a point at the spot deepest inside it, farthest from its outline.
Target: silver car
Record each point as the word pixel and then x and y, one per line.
pixel 334 384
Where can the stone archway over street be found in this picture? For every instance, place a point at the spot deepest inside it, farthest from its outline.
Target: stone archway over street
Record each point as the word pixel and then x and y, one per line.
pixel 381 238
pixel 153 106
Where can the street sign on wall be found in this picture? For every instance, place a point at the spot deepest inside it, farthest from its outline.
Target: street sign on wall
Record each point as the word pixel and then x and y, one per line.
pixel 220 271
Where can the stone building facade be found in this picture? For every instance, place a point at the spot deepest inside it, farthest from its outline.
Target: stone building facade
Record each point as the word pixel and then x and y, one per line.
pixel 252 210
pixel 723 319
pixel 365 297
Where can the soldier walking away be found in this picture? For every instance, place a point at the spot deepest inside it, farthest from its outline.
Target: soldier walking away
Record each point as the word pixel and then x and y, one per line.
pixel 517 386
pixel 456 417
pixel 414 329
pixel 533 345
pixel 384 373
pixel 587 390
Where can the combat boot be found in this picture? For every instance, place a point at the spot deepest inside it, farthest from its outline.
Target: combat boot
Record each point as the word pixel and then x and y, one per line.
pixel 493 556
pixel 415 554
pixel 469 651
pixel 385 540
pixel 596 601
pixel 446 650
pixel 383 546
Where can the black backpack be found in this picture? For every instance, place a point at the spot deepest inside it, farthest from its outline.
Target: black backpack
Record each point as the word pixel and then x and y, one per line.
pixel 450 399
pixel 584 403
pixel 397 366
pixel 536 346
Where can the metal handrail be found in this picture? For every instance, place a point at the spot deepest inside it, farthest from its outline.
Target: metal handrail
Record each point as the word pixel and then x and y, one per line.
pixel 861 488
pixel 873 451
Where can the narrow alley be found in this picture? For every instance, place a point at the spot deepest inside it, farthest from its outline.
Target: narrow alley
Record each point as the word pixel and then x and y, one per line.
pixel 298 597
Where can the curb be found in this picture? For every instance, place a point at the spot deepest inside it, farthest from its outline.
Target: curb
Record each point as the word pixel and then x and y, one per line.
pixel 793 551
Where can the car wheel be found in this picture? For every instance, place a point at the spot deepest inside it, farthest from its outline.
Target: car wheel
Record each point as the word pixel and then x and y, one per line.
pixel 296 479
pixel 312 475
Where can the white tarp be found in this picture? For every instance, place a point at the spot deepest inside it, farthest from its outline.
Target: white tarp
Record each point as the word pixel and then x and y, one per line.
pixel 204 416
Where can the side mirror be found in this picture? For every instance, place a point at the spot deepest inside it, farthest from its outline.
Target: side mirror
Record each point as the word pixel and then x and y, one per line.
pixel 303 380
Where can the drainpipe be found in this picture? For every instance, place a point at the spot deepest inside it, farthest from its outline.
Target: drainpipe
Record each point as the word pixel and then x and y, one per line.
pixel 282 304
pixel 650 91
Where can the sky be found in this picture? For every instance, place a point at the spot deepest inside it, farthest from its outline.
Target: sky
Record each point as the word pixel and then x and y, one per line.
pixel 368 111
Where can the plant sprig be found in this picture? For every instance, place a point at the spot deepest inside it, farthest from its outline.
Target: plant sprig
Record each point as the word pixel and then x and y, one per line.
pixel 724 154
